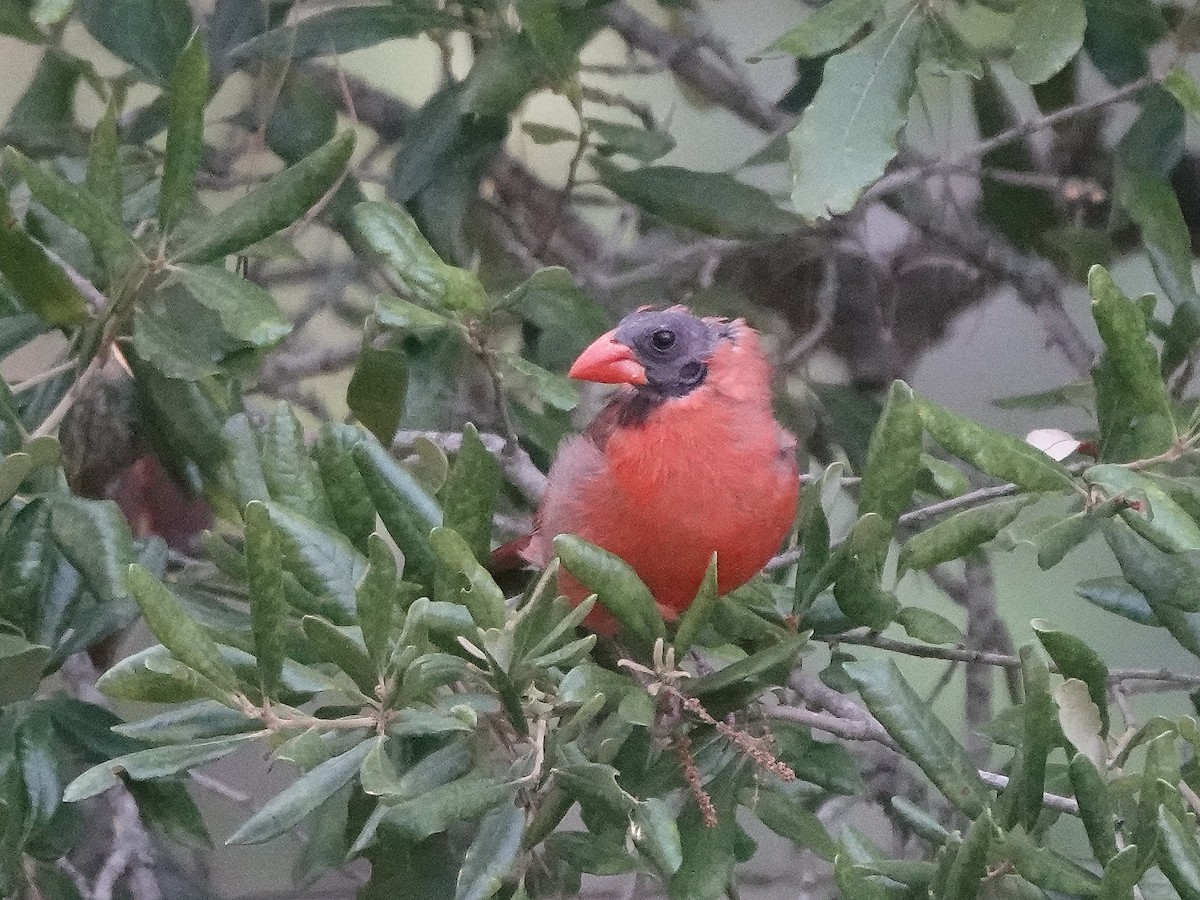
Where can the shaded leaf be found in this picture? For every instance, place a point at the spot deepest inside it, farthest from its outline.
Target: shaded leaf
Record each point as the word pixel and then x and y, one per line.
pixel 1075 659
pixel 961 533
pixel 491 853
pixel 268 608
pixel 848 134
pixel 187 95
pixel 1046 36
pixel 469 495
pixel 826 29
pixel 147 34
pixel 154 763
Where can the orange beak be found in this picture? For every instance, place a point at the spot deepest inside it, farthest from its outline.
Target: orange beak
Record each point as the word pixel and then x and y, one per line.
pixel 608 362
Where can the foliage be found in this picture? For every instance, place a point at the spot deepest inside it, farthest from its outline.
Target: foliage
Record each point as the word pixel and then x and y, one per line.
pixel 339 614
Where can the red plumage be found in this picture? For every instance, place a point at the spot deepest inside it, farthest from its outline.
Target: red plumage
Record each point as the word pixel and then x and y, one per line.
pixel 681 462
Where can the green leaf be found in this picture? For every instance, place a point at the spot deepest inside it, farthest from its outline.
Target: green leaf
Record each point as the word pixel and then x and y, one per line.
pixel 104 177
pixel 292 805
pixel 290 472
pixel 618 587
pixel 920 733
pixel 1043 867
pixel 433 811
pixel 631 140
pixel 74 204
pixel 247 312
pixel 1079 717
pixel 407 511
pixel 961 533
pixel 1119 35
pixel 396 312
pixel 826 29
pixel 1075 659
pixel 187 95
pixel 335 645
pixel 491 854
pixel 1117 596
pixel 893 457
pixel 376 597
pixel 255 216
pixel 391 232
pixel 708 856
pixel 1160 519
pixel 699 613
pixel 1180 856
pixel 1096 807
pixel 928 626
pixel 944 50
pixel 790 818
pixel 21 668
pixel 323 561
pixel 544 134
pixel 859 595
pixel 1021 801
pixel 712 203
pixel 188 722
pixel 154 763
pixel 969 867
pixel 848 134
pixel 378 386
pixel 1046 36
pixel 178 632
pixel 342 30
pixel 656 834
pixel 343 483
pixel 1132 406
pixel 94 537
pixel 1053 536
pixel 469 495
pixel 41 284
pixel 268 608
pixel 1121 874
pixel 147 34
pixel 480 595
pixel 243 475
pixel 14 469
pixel 993 452
pixel 750 672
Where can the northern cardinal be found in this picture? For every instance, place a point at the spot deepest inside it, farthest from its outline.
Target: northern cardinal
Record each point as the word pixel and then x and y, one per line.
pixel 686 458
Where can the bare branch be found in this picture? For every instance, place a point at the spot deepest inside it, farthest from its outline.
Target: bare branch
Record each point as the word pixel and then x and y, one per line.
pixel 518 468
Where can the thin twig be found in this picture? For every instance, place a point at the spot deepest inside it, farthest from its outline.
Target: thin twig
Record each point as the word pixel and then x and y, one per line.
pixel 54 419
pixel 948 165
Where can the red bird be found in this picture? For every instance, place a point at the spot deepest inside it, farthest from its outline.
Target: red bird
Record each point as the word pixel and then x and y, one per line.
pixel 685 459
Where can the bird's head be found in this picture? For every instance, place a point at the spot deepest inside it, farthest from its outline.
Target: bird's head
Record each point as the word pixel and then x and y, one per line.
pixel 666 351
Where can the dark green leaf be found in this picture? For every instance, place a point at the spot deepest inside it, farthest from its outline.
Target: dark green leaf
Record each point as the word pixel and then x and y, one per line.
pixel 791 818
pixel 343 483
pixel 469 495
pixel 284 199
pixel 1148 509
pixel 187 95
pixel 892 457
pixel 170 623
pixel 247 312
pixel 1118 596
pixel 290 472
pixel 998 454
pixel 491 854
pixel 94 536
pixel 480 595
pixel 391 232
pixel 322 560
pixel 961 533
pixel 74 204
pixel 147 34
pixel 1075 659
pixel 335 645
pixel 618 587
pixel 1131 399
pixel 244 472
pixel 21 667
pixel 1180 856
pixel 921 734
pixel 708 856
pixel 773 662
pixel 1046 36
pixel 1044 867
pixel 1119 34
pixel 292 805
pixel 712 203
pixel 848 133
pixel 153 763
pixel 268 608
pixel 861 598
pixel 377 388
pixel 928 626
pixel 826 29
pixel 1121 874
pixel 1096 807
pixel 1154 208
pixel 41 284
pixel 970 863
pixel 657 835
pixel 341 30
pixel 104 178
pixel 433 811
pixel 631 140
pixel 699 612
pixel 376 598
pixel 407 511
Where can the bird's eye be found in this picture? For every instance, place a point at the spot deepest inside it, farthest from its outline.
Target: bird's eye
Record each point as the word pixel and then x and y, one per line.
pixel 663 339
